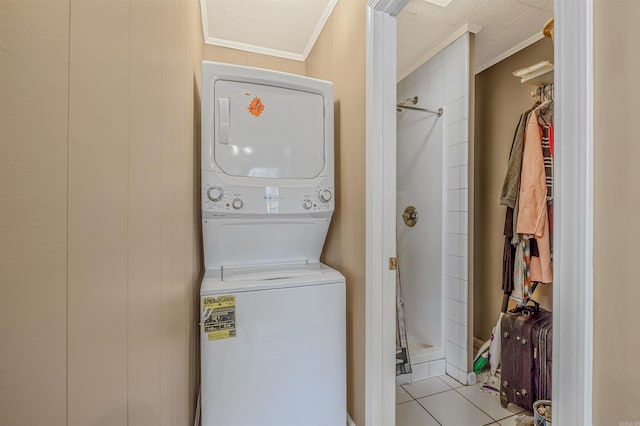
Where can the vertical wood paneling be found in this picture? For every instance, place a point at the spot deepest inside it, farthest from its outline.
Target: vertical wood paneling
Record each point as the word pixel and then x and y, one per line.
pixel 166 203
pixel 180 347
pixel 33 211
pixel 98 212
pixel 113 340
pixel 194 228
pixel 616 344
pixel 145 218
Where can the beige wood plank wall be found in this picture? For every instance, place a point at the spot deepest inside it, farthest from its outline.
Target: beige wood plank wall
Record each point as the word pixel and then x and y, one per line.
pixel 34 58
pixel 100 127
pixel 616 341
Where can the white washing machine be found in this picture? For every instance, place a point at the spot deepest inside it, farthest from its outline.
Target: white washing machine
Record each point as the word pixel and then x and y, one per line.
pixel 273 321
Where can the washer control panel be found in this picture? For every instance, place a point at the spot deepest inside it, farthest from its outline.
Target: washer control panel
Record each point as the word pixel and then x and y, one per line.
pixel 237 203
pixel 221 199
pixel 215 193
pixel 325 195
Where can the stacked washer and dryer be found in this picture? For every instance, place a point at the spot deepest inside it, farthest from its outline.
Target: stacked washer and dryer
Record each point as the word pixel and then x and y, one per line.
pixel 273 339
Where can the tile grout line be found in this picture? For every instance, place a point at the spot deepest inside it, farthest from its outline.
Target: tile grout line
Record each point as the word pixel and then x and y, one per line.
pixel 475 405
pixel 494 421
pixel 490 416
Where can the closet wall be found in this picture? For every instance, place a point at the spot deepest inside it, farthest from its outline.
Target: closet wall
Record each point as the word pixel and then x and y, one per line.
pixel 500 99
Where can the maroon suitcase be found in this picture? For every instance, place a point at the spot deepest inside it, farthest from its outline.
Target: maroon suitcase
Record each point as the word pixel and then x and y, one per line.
pixel 526 357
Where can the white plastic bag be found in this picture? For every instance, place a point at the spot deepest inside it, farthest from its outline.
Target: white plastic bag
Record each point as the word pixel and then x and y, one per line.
pixel 495 348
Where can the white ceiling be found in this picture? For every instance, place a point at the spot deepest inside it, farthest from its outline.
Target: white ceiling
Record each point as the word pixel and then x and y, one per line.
pixel 284 28
pixel 503 27
pixel 290 28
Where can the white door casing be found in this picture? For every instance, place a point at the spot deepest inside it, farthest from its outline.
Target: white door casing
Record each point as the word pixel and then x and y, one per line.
pixel 573 234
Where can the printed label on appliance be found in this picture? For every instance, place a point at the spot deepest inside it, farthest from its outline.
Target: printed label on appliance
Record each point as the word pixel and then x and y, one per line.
pixel 221 323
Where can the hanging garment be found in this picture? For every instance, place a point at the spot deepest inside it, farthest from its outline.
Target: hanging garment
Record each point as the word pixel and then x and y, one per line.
pixel 511 184
pixel 532 198
pixel 521 273
pixel 509 254
pixel 545 120
pixel 550 204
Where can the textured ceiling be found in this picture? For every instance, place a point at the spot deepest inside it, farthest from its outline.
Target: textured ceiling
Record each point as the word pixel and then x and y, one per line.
pixel 503 25
pixel 284 28
pixel 289 28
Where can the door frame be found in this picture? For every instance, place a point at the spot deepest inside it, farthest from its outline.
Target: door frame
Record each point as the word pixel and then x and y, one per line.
pixel 573 233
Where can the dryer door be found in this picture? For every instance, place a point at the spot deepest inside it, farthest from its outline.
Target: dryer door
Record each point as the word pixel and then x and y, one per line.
pixel 268 132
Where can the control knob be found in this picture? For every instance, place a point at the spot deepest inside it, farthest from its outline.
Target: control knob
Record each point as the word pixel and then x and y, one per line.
pixel 215 193
pixel 237 203
pixel 307 204
pixel 324 195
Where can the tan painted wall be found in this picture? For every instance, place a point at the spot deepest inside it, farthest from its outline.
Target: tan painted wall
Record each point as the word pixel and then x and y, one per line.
pixel 250 59
pixel 500 99
pixel 99 253
pixel 339 56
pixel 616 385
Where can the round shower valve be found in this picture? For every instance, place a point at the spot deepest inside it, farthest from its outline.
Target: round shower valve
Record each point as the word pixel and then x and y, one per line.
pixel 237 203
pixel 215 193
pixel 307 204
pixel 325 195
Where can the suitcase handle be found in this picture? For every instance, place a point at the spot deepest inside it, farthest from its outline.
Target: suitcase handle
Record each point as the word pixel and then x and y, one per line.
pixel 527 310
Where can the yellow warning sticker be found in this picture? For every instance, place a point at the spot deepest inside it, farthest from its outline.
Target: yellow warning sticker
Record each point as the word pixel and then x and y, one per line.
pixel 220 323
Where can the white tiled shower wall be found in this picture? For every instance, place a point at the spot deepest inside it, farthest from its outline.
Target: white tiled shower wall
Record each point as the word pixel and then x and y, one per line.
pixel 444 81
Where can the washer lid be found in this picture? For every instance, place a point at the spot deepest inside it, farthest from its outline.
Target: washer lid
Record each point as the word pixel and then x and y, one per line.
pixel 270 272
pixel 264 131
pixel 322 274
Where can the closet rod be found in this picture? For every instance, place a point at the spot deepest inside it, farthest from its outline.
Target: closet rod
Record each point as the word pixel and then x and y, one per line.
pixel 543 92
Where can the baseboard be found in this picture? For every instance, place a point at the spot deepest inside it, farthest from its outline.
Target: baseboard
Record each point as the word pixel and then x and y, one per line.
pixel 350 421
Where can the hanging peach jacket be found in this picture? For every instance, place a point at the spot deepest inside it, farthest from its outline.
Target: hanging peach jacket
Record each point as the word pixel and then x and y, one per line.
pixel 532 207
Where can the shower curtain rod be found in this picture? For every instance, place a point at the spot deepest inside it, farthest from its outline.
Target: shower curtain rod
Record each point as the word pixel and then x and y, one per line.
pixel 414 101
pixel 438 112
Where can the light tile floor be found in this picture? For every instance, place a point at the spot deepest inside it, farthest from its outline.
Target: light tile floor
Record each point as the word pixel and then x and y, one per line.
pixel 443 401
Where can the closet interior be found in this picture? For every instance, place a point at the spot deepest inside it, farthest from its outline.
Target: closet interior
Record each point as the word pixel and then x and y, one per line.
pixel 513 226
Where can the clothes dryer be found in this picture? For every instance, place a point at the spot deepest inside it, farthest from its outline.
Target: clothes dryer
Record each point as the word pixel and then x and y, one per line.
pixel 273 339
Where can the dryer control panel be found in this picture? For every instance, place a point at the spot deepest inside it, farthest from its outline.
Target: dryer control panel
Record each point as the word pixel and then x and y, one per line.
pixel 220 199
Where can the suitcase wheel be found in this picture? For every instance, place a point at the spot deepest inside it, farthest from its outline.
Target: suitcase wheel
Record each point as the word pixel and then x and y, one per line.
pixel 503 400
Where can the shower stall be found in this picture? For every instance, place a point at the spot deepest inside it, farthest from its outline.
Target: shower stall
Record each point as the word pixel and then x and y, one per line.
pixel 432 212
